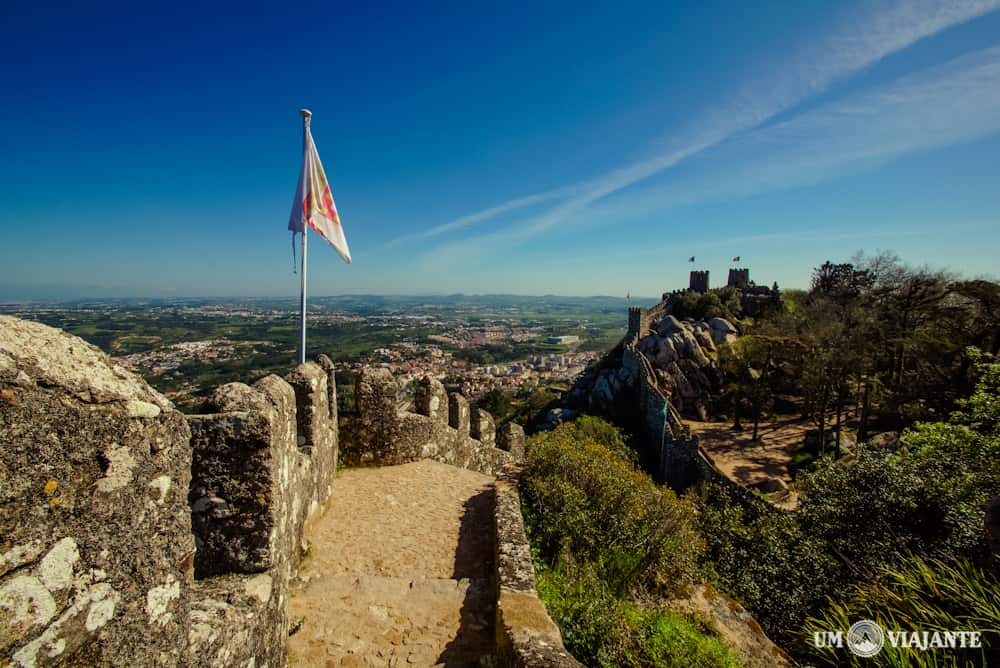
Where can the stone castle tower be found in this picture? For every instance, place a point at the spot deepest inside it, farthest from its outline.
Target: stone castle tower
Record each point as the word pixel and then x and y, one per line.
pixel 739 278
pixel 699 281
pixel 638 322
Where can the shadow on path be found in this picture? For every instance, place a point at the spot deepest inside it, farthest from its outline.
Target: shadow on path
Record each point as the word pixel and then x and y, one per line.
pixel 475 639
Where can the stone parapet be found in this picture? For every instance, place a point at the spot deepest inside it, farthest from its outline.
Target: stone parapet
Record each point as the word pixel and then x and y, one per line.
pixel 131 534
pixel 511 439
pixel 526 635
pixel 95 537
pixel 482 427
pixel 458 413
pixel 443 428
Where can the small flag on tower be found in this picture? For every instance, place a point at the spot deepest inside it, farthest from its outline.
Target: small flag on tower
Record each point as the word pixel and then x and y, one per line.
pixel 736 259
pixel 691 259
pixel 314 202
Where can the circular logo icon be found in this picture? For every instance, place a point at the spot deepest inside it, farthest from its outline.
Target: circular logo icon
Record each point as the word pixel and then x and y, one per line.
pixel 865 638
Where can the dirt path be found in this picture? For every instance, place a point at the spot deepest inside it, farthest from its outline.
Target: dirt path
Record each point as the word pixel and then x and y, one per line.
pixel 747 462
pixel 398 571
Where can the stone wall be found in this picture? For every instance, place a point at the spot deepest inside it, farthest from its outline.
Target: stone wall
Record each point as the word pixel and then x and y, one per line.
pixel 98 555
pixel 526 635
pixel 709 471
pixel 444 428
pixel 131 534
pixel 638 322
pixel 739 278
pixel 263 463
pixel 664 435
pixel 678 459
pixel 95 539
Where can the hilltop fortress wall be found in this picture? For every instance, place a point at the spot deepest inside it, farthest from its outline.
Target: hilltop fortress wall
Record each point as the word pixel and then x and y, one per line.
pixel 680 461
pixel 131 534
pixel 96 549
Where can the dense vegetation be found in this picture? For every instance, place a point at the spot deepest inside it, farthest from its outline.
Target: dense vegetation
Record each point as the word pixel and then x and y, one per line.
pixel 610 546
pixel 722 303
pixel 892 536
pixel 900 348
pixel 875 334
pixel 861 521
pixel 892 532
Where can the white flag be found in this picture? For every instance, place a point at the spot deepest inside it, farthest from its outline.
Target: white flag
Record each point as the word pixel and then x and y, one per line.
pixel 314 202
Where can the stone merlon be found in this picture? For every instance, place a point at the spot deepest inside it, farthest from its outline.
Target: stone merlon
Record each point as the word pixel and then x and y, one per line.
pixel 443 428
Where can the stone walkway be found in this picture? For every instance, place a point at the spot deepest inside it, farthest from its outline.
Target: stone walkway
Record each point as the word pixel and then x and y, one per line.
pixel 398 572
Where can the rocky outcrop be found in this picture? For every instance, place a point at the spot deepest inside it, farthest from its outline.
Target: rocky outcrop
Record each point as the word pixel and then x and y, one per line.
pixel 722 330
pixel 732 622
pixel 682 355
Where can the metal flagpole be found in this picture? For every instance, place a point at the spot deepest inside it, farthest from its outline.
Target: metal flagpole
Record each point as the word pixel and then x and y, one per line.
pixel 306 116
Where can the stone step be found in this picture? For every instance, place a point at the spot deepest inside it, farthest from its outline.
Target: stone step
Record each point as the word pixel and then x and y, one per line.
pixel 363 620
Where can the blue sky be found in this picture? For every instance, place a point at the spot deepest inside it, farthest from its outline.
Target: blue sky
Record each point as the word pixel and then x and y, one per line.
pixel 559 149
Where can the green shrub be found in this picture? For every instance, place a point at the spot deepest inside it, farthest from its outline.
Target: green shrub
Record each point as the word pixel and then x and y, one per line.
pixel 583 498
pixel 600 629
pixel 767 561
pixel 858 522
pixel 603 533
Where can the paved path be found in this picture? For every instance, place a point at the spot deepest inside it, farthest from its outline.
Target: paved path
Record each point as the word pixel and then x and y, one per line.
pixel 398 572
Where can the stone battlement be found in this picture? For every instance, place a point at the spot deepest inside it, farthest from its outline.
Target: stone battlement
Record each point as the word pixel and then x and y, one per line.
pixel 739 278
pixel 638 322
pixel 131 534
pixel 443 428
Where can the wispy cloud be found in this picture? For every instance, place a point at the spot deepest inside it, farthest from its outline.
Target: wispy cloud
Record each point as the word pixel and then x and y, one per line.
pixel 485 214
pixel 860 41
pixel 955 102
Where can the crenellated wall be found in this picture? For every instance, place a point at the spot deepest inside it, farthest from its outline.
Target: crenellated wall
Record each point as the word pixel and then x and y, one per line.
pixel 131 534
pixel 698 281
pixel 676 453
pixel 263 462
pixel 738 278
pixel 638 322
pixel 443 428
pixel 680 461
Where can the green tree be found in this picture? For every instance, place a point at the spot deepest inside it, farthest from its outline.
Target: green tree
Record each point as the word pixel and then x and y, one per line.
pixel 497 402
pixel 750 362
